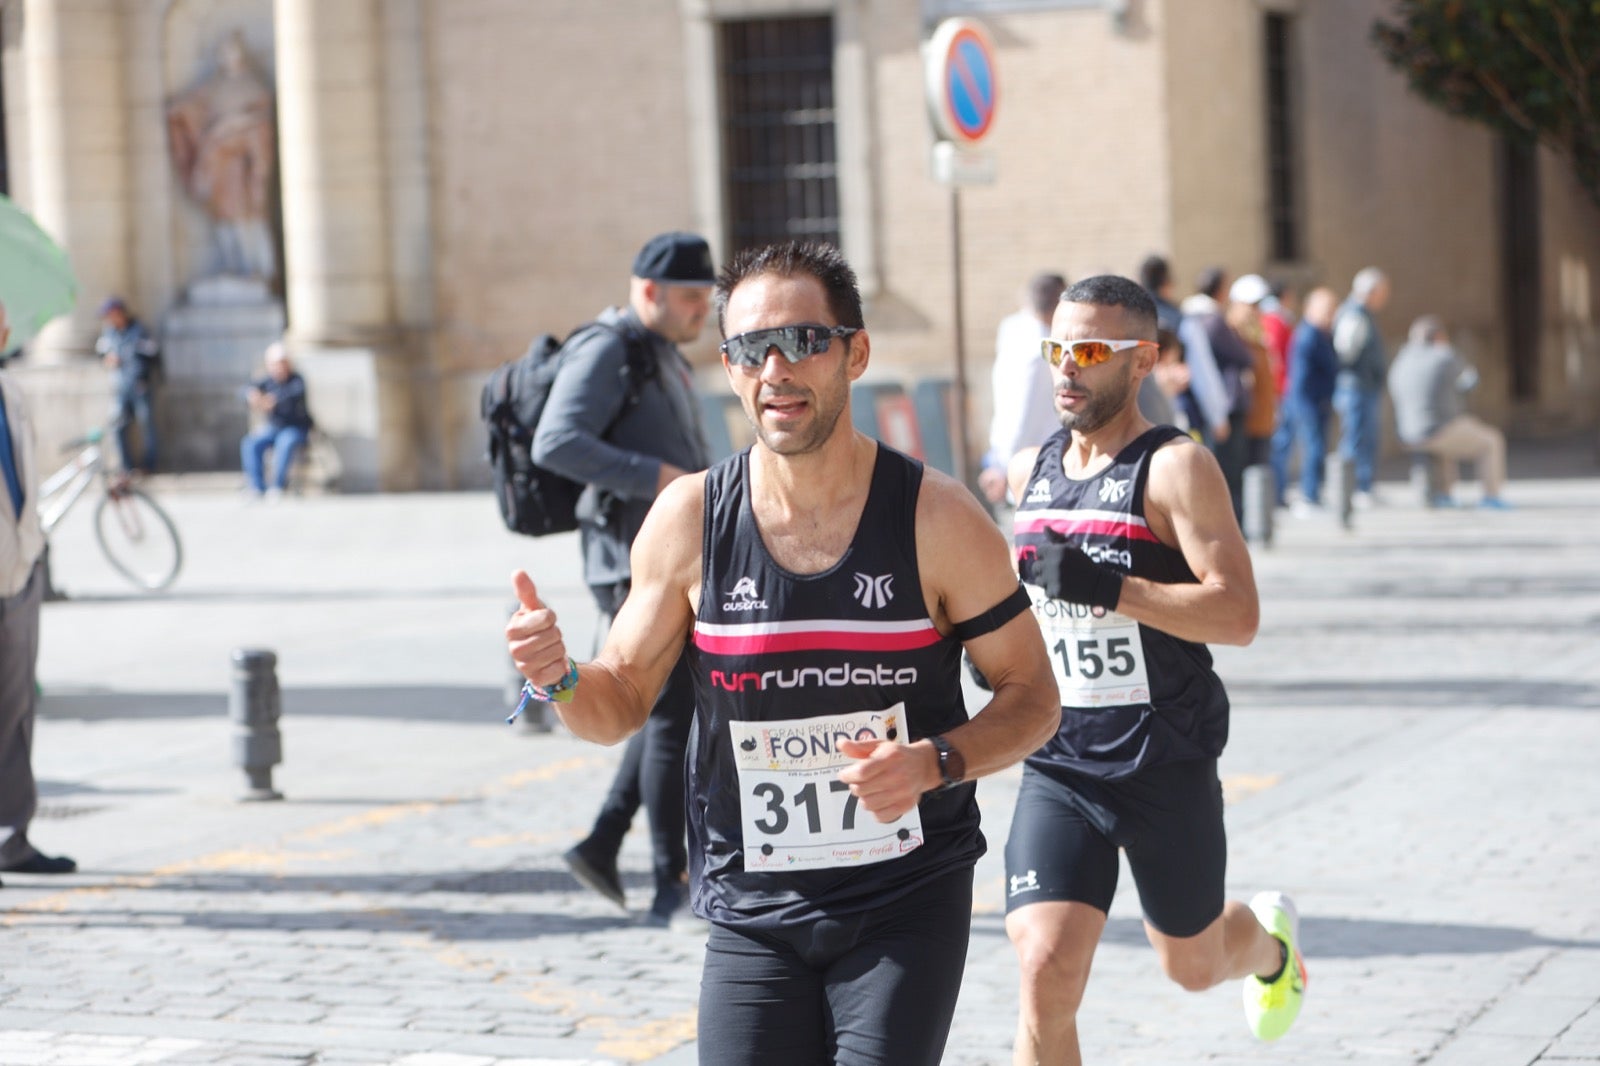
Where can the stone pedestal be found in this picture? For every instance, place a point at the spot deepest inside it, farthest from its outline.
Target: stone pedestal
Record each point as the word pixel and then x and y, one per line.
pixel 211 353
pixel 343 390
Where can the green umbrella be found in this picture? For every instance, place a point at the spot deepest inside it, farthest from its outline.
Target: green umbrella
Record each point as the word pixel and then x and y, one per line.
pixel 36 282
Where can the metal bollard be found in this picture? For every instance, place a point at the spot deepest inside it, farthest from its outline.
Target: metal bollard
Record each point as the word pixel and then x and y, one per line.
pixel 1341 487
pixel 1259 492
pixel 254 707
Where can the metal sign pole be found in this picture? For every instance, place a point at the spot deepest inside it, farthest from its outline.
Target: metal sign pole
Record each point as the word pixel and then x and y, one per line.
pixel 959 387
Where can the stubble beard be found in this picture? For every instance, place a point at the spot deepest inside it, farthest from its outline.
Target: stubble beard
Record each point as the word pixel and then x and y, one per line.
pixel 1104 404
pixel 825 417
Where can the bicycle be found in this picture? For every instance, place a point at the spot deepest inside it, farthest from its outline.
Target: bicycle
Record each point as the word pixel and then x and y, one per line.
pixel 137 537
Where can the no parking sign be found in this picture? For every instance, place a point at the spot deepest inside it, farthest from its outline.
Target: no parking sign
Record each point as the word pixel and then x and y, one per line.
pixel 961 86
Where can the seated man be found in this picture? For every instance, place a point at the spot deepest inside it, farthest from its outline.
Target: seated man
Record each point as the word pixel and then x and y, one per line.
pixel 1428 382
pixel 280 395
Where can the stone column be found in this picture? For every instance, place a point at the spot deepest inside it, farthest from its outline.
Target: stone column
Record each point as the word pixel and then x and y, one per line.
pixel 336 249
pixel 77 154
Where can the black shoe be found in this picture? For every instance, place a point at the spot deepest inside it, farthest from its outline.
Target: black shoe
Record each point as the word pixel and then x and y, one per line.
pixel 43 864
pixel 671 900
pixel 597 874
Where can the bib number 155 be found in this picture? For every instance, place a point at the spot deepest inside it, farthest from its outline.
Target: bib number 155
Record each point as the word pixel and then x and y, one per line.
pixel 1088 663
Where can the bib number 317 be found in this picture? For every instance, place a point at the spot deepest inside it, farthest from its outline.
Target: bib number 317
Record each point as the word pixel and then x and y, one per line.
pixel 796 812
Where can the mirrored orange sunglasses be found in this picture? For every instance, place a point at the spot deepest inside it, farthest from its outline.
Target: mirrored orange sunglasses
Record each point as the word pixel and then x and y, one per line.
pixel 1085 352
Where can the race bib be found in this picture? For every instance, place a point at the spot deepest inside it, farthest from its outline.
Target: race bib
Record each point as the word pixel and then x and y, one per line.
pixel 796 813
pixel 1097 655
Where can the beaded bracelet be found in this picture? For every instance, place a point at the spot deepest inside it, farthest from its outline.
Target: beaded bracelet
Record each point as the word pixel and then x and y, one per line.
pixel 560 692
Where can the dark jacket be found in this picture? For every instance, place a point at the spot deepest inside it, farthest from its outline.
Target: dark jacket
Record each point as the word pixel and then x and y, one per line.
pixel 136 354
pixel 288 400
pixel 1313 366
pixel 622 466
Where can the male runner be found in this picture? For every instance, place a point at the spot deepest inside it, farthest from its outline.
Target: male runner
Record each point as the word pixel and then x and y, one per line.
pixel 1127 542
pixel 826 585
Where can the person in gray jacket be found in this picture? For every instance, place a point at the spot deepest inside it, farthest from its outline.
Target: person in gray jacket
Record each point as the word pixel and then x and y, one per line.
pixel 655 434
pixel 1358 391
pixel 1428 384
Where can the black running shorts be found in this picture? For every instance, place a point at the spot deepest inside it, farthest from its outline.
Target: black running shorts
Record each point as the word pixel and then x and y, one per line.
pixel 873 989
pixel 1168 818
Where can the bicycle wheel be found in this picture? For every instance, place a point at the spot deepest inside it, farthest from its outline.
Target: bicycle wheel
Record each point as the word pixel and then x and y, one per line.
pixel 138 538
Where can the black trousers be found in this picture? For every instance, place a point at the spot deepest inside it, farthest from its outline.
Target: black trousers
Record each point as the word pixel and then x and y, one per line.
pixel 652 771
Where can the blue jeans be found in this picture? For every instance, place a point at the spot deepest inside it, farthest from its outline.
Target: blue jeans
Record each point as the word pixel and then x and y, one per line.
pixel 1311 430
pixel 284 441
pixel 1282 447
pixel 134 406
pixel 1358 440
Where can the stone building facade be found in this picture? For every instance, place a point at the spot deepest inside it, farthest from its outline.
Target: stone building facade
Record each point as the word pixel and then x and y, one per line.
pixel 454 176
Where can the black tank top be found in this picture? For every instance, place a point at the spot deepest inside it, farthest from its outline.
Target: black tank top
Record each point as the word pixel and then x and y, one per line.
pixel 772 646
pixel 1132 696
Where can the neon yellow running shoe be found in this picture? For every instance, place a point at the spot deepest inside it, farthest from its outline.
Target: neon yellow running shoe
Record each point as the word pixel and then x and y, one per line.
pixel 1270 1009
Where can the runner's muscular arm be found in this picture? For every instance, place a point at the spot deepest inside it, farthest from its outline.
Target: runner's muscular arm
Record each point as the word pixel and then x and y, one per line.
pixel 1188 507
pixel 616 691
pixel 966 570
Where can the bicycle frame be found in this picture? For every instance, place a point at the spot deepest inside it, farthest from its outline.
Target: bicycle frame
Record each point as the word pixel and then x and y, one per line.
pixel 61 490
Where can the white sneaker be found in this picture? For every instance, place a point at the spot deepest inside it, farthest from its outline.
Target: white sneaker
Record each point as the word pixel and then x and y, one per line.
pixel 1306 509
pixel 1365 501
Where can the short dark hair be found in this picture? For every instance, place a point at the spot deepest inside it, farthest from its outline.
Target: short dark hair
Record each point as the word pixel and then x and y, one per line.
pixel 789 259
pixel 1114 290
pixel 1210 281
pixel 1154 273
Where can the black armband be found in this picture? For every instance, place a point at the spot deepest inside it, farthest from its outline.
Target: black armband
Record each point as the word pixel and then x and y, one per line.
pixel 993 618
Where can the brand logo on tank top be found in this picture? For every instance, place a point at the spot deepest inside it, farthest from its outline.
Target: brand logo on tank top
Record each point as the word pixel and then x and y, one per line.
pixel 1040 493
pixel 842 676
pixel 744 597
pixel 1101 553
pixel 1114 490
pixel 874 591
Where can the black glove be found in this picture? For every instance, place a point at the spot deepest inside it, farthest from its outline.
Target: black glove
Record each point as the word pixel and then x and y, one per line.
pixel 1065 573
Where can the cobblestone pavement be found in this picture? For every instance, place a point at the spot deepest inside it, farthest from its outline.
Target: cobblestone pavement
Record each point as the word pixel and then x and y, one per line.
pixel 1412 759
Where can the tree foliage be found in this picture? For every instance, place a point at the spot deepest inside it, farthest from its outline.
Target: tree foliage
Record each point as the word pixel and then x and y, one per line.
pixel 1528 67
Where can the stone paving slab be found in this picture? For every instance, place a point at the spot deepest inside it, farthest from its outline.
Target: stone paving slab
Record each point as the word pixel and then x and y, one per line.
pixel 1411 759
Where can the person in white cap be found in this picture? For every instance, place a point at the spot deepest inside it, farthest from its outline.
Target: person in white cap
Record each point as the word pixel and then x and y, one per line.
pixel 280 396
pixel 1244 315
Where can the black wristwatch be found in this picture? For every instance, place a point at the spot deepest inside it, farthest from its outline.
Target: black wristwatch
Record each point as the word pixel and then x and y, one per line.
pixel 952 767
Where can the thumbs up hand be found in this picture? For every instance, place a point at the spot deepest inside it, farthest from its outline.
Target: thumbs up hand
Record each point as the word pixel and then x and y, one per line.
pixel 532 636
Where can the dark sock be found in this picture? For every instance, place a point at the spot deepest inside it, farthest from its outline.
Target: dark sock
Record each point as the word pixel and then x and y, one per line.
pixel 1283 962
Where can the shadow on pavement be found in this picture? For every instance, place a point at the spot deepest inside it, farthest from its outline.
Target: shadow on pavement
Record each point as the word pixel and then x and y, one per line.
pixel 516 881
pixel 1366 938
pixel 1416 693
pixel 440 703
pixel 368 912
pixel 1357 938
pixel 281 595
pixel 445 925
pixel 1439 587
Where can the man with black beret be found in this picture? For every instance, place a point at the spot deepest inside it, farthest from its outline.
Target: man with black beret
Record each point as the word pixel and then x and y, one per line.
pixel 623 417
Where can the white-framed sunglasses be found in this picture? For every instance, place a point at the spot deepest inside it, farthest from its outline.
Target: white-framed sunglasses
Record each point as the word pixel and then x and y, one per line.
pixel 1085 352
